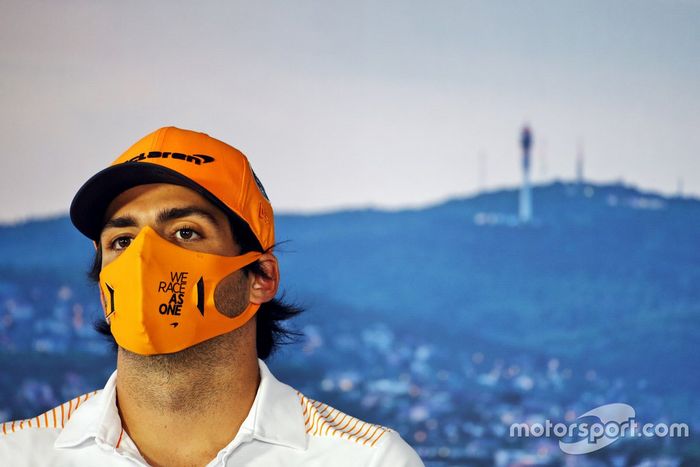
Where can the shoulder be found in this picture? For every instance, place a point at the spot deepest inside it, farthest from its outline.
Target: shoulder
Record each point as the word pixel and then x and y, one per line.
pixel 37 435
pixel 329 428
pixel 322 420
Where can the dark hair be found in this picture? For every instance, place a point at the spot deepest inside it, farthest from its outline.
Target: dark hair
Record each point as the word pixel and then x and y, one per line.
pixel 270 332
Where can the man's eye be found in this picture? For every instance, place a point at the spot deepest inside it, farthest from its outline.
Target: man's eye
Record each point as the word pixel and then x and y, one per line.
pixel 186 234
pixel 121 243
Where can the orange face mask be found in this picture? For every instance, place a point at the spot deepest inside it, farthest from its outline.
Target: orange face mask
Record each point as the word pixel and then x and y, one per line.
pixel 159 298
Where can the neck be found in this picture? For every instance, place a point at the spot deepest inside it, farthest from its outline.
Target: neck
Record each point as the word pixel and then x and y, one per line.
pixel 183 408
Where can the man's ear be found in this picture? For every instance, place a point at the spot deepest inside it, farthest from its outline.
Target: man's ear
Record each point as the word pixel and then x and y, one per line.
pixel 263 289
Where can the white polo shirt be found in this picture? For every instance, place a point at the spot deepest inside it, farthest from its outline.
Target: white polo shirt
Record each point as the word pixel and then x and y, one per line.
pixel 283 428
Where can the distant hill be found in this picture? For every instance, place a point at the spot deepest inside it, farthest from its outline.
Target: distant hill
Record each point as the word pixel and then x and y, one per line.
pixel 607 276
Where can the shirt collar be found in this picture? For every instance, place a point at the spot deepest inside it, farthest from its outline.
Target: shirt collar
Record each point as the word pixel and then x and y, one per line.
pixel 275 417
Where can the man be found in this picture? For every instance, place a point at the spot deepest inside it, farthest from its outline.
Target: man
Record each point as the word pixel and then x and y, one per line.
pixel 184 234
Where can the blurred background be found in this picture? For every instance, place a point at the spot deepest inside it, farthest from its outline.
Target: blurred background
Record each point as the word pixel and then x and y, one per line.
pixel 491 208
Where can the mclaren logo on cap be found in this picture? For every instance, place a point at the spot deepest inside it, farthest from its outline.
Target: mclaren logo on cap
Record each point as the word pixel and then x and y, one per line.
pixel 198 159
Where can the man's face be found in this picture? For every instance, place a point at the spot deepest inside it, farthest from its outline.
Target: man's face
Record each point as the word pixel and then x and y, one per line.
pixel 183 217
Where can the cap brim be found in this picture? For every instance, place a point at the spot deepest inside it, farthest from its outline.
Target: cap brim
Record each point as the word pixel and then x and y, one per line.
pixel 90 203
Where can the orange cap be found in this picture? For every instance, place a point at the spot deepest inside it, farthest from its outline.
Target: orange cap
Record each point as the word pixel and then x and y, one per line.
pixel 217 171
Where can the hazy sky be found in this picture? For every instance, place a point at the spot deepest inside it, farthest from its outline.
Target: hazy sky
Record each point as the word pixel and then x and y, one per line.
pixel 352 103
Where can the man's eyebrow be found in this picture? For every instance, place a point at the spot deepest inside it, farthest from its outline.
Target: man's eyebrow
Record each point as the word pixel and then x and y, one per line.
pixel 164 216
pixel 120 222
pixel 176 213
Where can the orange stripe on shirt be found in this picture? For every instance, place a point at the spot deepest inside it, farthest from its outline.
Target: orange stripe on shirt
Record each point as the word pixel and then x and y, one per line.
pixel 359 437
pixel 313 422
pixel 380 435
pixel 4 430
pixel 61 415
pixel 325 421
pixel 361 426
pixel 46 419
pixel 336 424
pixel 310 420
pixel 347 424
pixel 333 425
pixel 320 409
pixel 53 411
pixel 119 441
pixel 310 427
pixel 344 432
pixel 349 428
pixel 319 426
pixel 325 411
pixel 372 435
pixel 316 404
pixel 330 422
pixel 318 416
pixel 308 417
